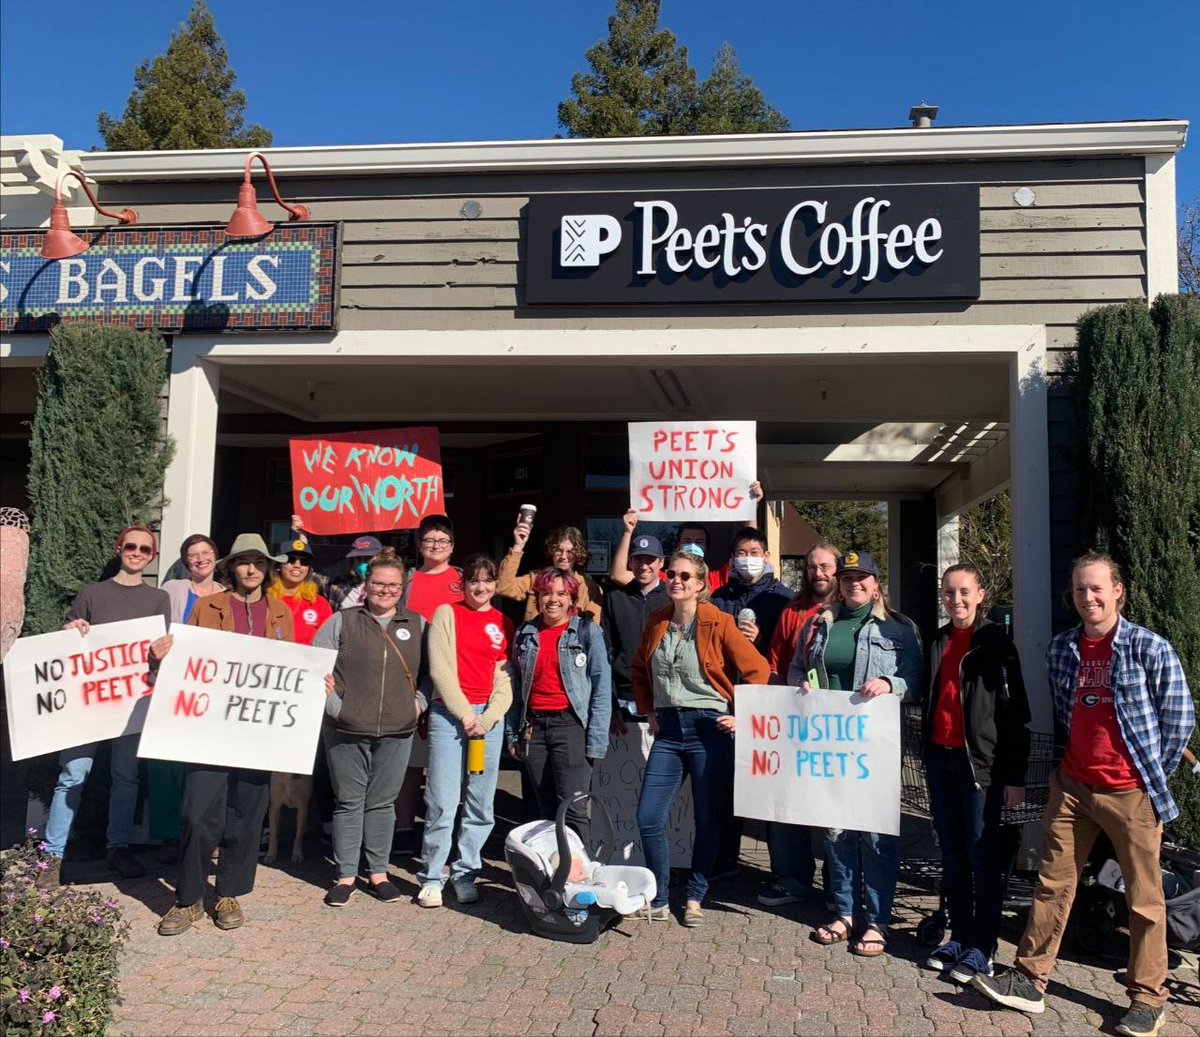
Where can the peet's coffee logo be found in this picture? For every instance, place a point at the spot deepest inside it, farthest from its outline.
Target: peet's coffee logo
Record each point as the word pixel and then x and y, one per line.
pixel 755 245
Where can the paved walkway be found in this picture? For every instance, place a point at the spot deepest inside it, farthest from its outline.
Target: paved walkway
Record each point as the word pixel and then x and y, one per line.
pixel 298 967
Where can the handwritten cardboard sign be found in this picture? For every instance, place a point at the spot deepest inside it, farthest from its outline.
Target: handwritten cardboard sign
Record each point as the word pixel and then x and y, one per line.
pixel 826 758
pixel 697 471
pixel 618 783
pixel 63 690
pixel 230 700
pixel 364 482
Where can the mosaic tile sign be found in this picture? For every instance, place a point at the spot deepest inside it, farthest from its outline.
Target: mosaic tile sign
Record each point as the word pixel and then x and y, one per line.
pixel 175 279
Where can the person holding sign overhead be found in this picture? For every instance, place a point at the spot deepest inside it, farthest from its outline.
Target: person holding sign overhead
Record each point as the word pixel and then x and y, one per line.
pixel 225 806
pixel 691 657
pixel 125 596
pixel 296 586
pixel 860 645
pixel 566 550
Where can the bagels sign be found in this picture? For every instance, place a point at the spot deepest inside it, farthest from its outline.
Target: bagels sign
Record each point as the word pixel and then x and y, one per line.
pixel 857 244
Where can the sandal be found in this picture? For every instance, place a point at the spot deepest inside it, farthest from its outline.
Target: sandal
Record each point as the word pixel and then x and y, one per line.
pixel 827 935
pixel 870 948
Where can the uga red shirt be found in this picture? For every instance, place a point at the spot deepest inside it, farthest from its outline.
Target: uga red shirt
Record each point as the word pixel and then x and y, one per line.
pixel 426 591
pixel 482 639
pixel 1096 752
pixel 546 691
pixel 948 729
pixel 307 617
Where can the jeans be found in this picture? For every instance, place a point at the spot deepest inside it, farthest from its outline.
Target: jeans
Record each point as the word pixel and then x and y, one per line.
pixel 444 779
pixel 967 822
pixel 792 861
pixel 866 862
pixel 366 773
pixel 76 765
pixel 557 764
pixel 690 744
pixel 225 808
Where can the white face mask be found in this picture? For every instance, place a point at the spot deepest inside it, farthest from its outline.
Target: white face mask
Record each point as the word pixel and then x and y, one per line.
pixel 749 569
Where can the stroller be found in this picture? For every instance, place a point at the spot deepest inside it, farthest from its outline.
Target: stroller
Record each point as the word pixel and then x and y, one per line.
pixel 568 895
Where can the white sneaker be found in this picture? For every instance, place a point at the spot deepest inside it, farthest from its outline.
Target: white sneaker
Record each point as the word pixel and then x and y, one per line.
pixel 430 895
pixel 465 890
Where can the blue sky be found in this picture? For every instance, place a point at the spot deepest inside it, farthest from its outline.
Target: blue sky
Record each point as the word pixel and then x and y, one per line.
pixel 395 71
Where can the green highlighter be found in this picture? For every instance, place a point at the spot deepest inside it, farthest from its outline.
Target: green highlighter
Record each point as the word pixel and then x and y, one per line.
pixel 813 680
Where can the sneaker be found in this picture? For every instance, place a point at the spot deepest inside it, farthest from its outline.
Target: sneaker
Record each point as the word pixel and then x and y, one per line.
pixel 946 956
pixel 653 914
pixel 51 878
pixel 124 863
pixel 777 895
pixel 692 916
pixel 973 963
pixel 1140 1021
pixel 340 894
pixel 180 918
pixel 430 895
pixel 1013 989
pixel 385 892
pixel 228 914
pixel 465 891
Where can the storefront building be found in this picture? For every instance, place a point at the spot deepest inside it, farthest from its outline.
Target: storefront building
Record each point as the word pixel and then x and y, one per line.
pixel 891 306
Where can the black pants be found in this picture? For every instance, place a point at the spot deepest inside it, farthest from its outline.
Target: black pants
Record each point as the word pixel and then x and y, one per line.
pixel 225 808
pixel 557 765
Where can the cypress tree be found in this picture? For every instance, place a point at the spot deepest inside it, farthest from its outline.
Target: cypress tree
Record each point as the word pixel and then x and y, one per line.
pixel 1138 401
pixel 99 453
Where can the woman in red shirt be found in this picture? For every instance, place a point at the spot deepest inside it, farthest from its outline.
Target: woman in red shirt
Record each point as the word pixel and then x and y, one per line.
pixel 293 583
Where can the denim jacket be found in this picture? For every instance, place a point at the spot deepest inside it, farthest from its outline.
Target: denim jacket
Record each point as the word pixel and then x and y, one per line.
pixel 887 647
pixel 588 684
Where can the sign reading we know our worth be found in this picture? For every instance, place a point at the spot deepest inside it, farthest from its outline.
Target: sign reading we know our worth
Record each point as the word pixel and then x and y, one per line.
pixel 174 279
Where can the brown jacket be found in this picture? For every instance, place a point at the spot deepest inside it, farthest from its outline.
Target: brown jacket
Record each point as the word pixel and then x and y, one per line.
pixel 216 613
pixel 726 657
pixel 520 588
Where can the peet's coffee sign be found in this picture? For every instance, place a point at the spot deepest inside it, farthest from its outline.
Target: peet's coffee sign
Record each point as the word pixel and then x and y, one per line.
pixel 804 245
pixel 175 279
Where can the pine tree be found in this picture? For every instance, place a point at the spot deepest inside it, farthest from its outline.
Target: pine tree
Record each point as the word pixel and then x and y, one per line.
pixel 640 83
pixel 1138 401
pixel 185 99
pixel 729 102
pixel 851 525
pixel 99 453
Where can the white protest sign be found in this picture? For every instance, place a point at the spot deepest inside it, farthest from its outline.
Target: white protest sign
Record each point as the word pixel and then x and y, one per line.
pixel 64 690
pixel 826 758
pixel 230 700
pixel 618 784
pixel 698 471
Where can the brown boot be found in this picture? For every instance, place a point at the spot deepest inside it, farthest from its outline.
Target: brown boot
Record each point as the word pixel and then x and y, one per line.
pixel 228 914
pixel 180 918
pixel 51 878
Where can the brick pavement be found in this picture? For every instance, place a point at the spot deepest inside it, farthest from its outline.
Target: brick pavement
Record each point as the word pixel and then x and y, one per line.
pixel 298 967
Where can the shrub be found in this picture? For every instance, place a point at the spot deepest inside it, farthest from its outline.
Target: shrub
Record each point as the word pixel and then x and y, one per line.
pixel 59 950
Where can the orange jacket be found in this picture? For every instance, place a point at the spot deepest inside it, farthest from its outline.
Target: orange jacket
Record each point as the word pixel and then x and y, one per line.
pixel 216 613
pixel 726 656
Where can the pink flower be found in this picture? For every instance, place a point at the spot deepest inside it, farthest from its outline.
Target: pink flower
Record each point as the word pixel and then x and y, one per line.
pixel 48 1018
pixel 54 993
pixel 31 832
pixel 42 846
pixel 94 919
pixel 4 944
pixel 23 996
pixel 41 865
pixel 37 919
pixel 109 905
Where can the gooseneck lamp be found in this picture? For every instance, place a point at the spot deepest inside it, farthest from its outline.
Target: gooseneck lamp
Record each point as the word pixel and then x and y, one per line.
pixel 60 242
pixel 247 221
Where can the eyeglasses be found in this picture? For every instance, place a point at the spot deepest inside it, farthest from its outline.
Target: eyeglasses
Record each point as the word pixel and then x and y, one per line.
pixel 682 577
pixel 141 549
pixel 436 542
pixel 298 560
pixel 385 588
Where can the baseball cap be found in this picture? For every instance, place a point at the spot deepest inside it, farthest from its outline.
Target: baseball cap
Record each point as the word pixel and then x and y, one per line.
pixel 646 545
pixel 295 546
pixel 435 522
pixel 364 547
pixel 858 561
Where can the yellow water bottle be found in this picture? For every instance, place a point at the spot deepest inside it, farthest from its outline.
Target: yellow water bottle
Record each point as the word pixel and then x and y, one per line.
pixel 475 748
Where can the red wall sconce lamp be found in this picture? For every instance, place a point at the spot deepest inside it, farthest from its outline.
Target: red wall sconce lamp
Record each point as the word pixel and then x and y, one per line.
pixel 60 241
pixel 247 221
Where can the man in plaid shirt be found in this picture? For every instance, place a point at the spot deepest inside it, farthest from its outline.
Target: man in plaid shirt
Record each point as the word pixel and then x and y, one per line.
pixel 1121 696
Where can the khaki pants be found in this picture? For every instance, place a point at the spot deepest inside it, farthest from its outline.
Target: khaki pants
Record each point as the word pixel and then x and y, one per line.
pixel 1075 816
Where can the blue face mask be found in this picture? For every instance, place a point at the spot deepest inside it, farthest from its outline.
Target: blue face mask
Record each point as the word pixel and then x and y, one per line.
pixel 694 549
pixel 361 569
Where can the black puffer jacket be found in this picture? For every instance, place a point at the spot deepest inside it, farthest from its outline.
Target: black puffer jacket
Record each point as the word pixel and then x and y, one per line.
pixel 995 707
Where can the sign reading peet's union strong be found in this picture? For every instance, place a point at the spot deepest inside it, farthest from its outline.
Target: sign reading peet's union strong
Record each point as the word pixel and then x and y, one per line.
pixel 839 244
pixel 175 279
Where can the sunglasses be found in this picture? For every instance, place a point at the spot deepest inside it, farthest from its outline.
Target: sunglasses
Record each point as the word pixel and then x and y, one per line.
pixel 140 549
pixel 682 577
pixel 295 559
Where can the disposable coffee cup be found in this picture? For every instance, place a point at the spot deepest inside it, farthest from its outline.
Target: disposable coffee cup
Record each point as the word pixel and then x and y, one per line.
pixel 475 747
pixel 526 515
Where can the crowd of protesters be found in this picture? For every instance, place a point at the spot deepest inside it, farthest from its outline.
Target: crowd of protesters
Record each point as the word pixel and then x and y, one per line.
pixel 433 684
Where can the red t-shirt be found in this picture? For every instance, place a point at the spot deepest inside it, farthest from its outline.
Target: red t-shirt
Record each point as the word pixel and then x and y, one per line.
pixel 783 642
pixel 482 637
pixel 426 591
pixel 546 691
pixel 307 617
pixel 948 727
pixel 1096 752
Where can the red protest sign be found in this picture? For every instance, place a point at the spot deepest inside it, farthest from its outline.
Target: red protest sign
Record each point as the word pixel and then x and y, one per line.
pixel 364 482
